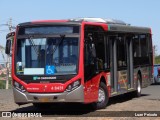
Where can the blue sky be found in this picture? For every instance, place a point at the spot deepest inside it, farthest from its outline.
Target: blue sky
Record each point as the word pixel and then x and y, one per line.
pixel 135 12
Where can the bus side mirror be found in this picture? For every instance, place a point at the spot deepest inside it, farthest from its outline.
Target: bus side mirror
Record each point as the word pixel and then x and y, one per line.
pixel 8 47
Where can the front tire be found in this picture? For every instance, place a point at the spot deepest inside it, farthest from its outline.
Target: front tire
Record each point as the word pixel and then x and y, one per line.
pixel 103 97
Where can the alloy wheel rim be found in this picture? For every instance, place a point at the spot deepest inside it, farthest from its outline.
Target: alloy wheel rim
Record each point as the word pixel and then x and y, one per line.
pixel 139 87
pixel 101 95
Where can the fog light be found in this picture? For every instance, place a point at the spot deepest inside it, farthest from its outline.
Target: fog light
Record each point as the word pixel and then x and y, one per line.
pixel 19 86
pixel 76 83
pixel 69 88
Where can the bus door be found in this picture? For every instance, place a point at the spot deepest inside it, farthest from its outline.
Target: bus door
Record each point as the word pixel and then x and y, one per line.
pixel 113 63
pixel 121 63
pixel 89 65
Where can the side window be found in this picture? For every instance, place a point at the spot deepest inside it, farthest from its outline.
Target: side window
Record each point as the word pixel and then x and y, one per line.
pixel 121 52
pixel 136 46
pixel 141 49
pixel 144 45
pixel 100 50
pixel 94 56
pixel 95 35
pixel 87 56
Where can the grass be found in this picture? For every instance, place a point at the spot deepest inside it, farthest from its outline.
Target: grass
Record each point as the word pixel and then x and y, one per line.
pixel 157 59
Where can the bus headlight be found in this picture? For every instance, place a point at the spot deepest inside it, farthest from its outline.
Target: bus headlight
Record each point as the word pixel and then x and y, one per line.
pixel 73 85
pixel 19 87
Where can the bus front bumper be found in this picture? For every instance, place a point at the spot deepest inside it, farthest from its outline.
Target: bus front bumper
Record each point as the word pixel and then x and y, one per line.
pixel 76 95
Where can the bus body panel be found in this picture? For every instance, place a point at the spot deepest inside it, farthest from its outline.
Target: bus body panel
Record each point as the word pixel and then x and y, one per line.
pixel 92 87
pixel 87 92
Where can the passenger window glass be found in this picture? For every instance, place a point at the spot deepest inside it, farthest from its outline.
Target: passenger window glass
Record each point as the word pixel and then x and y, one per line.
pixel 141 49
pixel 121 52
pixel 144 46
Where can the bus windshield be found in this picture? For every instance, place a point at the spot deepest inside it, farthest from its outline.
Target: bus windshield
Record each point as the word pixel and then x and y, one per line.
pixel 47 56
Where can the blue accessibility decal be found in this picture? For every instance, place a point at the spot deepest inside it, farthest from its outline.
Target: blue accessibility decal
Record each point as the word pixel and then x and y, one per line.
pixel 50 70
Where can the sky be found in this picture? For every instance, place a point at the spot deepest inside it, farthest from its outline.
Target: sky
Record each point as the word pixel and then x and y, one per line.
pixel 135 12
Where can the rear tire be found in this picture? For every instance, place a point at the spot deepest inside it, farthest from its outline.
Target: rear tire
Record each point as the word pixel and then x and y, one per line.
pixel 103 97
pixel 137 93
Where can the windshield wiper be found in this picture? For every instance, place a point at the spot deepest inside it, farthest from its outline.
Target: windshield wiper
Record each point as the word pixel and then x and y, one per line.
pixel 53 50
pixel 34 46
pixel 62 38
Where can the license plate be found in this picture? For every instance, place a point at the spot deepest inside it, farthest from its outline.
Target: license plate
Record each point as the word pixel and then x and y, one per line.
pixel 44 99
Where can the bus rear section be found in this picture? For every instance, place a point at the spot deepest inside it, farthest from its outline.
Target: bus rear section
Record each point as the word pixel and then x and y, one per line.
pixel 86 60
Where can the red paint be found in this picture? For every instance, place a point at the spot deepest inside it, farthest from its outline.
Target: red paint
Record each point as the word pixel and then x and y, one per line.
pixel 92 87
pixel 103 25
pixel 13 54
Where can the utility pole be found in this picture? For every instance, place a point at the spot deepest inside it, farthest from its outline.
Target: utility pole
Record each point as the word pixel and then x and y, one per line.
pixel 8 56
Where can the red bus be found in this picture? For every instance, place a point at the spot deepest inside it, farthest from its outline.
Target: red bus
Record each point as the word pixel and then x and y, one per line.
pixel 85 60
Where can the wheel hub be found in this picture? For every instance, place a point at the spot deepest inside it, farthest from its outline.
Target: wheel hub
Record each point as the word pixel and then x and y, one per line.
pixel 101 95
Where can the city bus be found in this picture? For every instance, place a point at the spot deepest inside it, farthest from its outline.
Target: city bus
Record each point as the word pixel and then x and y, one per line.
pixel 81 60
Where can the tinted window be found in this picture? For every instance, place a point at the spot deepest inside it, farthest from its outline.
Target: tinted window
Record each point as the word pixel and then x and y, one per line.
pixel 121 52
pixel 141 49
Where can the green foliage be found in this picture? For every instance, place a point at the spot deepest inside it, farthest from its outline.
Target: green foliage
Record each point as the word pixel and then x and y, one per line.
pixel 3 83
pixel 3 75
pixel 157 59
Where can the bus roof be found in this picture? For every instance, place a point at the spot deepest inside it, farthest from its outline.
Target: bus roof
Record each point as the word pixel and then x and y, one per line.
pixel 130 29
pixel 113 25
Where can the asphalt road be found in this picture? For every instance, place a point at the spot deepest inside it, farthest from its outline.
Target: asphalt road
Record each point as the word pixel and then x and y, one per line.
pixel 117 106
pixel 152 92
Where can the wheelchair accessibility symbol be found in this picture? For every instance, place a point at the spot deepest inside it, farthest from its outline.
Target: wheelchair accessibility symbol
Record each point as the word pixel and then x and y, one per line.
pixel 50 70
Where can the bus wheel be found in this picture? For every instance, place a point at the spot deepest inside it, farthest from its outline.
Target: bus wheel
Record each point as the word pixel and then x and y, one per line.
pixel 137 93
pixel 102 97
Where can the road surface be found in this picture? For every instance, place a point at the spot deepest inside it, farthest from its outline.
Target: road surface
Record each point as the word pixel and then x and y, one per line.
pixel 118 106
